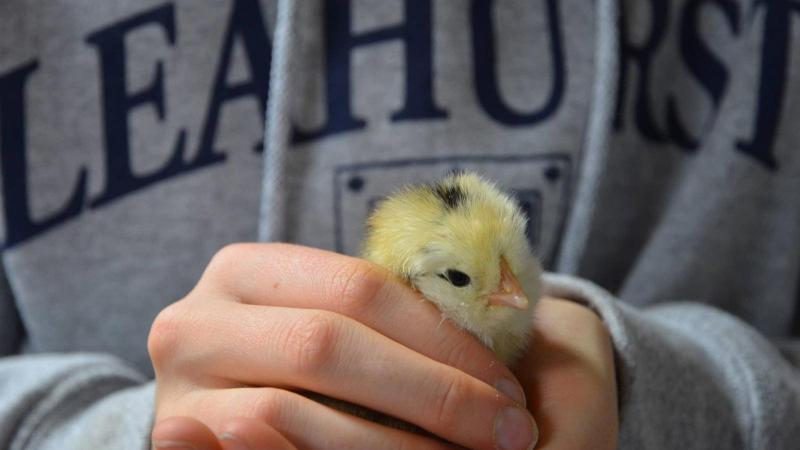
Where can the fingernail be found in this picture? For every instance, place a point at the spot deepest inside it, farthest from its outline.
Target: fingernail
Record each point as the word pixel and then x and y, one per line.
pixel 514 429
pixel 512 390
pixel 173 445
pixel 233 442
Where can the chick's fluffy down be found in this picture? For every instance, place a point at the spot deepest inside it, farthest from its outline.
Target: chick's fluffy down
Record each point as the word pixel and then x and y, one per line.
pixel 450 240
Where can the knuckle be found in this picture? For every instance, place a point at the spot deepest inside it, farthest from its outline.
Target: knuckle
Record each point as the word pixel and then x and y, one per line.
pixel 355 284
pixel 226 257
pixel 165 334
pixel 448 403
pixel 311 342
pixel 271 406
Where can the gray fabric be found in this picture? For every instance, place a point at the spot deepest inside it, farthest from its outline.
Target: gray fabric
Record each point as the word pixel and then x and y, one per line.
pixel 693 377
pixel 75 401
pixel 635 179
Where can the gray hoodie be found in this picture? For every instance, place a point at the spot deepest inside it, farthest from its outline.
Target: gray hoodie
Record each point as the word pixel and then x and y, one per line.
pixel 651 144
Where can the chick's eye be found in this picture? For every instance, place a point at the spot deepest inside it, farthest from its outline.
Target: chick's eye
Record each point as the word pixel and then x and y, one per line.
pixel 457 278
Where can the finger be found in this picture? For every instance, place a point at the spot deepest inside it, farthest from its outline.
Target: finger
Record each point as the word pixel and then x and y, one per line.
pixel 182 433
pixel 248 433
pixel 336 356
pixel 574 385
pixel 303 422
pixel 301 277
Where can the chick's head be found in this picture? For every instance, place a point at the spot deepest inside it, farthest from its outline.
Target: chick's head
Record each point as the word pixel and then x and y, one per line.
pixel 462 244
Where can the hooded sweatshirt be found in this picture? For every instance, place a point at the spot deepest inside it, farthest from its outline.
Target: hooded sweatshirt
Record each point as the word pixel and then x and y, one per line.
pixel 650 143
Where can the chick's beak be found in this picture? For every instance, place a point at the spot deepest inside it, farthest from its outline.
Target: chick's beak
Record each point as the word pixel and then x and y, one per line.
pixel 509 292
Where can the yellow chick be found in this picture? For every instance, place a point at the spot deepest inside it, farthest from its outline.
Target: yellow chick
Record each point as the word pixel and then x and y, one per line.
pixel 461 243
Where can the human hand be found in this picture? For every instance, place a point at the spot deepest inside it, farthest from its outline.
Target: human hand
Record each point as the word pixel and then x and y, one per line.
pixel 268 320
pixel 569 378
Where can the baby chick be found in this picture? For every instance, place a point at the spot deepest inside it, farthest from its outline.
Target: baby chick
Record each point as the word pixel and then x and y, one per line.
pixel 461 243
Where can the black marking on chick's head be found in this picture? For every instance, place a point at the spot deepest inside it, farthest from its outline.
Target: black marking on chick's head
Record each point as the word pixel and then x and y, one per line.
pixel 450 194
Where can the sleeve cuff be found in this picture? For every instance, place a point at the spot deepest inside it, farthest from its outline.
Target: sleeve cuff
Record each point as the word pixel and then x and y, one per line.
pixel 73 401
pixel 691 376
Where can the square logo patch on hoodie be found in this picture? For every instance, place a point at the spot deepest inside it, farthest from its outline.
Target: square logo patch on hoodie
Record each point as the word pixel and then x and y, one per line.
pixel 540 183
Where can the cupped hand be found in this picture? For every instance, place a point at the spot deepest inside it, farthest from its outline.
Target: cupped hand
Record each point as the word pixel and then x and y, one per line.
pixel 569 378
pixel 268 321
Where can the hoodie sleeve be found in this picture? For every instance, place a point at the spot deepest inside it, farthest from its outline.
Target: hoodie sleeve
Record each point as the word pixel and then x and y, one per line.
pixel 75 401
pixel 693 377
pixel 67 401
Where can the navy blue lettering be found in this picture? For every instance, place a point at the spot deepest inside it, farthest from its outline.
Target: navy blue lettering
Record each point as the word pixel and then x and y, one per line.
pixel 415 31
pixel 19 224
pixel 706 67
pixel 775 48
pixel 247 25
pixel 118 103
pixel 640 56
pixel 485 67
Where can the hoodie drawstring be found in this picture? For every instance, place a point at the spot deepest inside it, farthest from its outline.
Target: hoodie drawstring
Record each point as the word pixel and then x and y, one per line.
pixel 595 150
pixel 277 127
